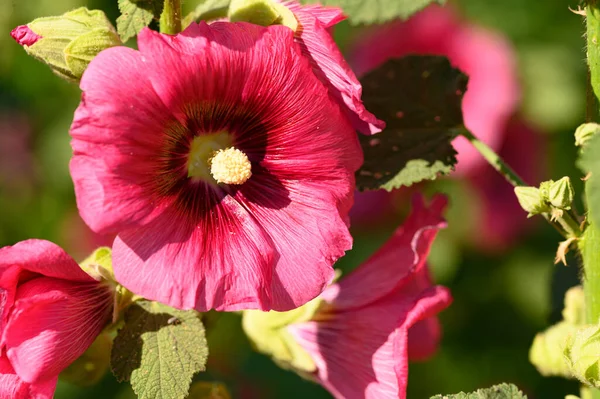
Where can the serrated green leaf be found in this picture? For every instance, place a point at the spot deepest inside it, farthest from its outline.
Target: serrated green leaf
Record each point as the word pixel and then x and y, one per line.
pixel 136 15
pixel 206 11
pixel 501 391
pixel 376 11
pixel 159 350
pixel 589 162
pixel 419 98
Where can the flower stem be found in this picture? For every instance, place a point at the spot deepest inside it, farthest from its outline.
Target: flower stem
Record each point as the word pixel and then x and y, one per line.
pixel 590 243
pixel 566 224
pixel 170 19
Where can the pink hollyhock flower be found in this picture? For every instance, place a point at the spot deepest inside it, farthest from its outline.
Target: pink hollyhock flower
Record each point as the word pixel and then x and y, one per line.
pixel 314 37
pixel 489 61
pixel 222 164
pixel 51 313
pixel 369 324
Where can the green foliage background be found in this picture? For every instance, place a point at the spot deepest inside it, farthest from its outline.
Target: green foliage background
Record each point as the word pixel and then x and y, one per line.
pixel 501 300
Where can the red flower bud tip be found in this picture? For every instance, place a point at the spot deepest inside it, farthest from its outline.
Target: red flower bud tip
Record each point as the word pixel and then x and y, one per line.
pixel 25 36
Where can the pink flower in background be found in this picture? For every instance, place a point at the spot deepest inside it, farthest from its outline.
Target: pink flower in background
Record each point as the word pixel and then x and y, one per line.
pixel 314 37
pixel 370 323
pixel 221 162
pixel 51 313
pixel 487 58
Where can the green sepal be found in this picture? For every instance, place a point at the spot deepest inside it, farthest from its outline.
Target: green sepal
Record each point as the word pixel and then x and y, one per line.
pixel 269 335
pixel 262 12
pixel 90 367
pixel 585 132
pixel 208 10
pixel 91 31
pixel 561 193
pixel 582 354
pixel 531 200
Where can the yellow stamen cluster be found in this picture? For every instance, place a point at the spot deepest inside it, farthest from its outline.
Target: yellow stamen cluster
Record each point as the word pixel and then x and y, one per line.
pixel 230 166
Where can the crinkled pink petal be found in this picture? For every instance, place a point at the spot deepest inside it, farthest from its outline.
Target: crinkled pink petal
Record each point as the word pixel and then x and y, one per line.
pixel 52 323
pixel 12 387
pixel 296 221
pixel 120 117
pixel 399 258
pixel 485 57
pixel 24 35
pixel 329 64
pixel 42 257
pixel 223 262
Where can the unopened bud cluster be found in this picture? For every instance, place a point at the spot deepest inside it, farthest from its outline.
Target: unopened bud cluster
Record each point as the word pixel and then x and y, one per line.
pixel 550 197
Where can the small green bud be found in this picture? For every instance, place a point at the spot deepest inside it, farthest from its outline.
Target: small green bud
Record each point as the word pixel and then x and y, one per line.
pixel 69 42
pixel 262 12
pixel 268 333
pixel 99 265
pixel 582 354
pixel 561 193
pixel 90 367
pixel 546 352
pixel 531 200
pixel 585 132
pixel 545 189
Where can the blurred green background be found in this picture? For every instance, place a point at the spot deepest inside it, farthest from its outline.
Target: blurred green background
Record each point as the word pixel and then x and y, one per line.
pixel 502 297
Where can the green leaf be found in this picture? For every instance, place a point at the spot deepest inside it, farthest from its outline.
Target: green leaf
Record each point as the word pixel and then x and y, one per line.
pixel 376 11
pixel 502 391
pixel 159 350
pixel 136 15
pixel 206 11
pixel 589 162
pixel 419 98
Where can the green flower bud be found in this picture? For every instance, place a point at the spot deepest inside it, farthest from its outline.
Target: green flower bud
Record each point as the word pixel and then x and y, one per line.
pixel 585 132
pixel 69 42
pixel 262 12
pixel 546 352
pixel 90 367
pixel 267 331
pixel 545 189
pixel 574 310
pixel 531 200
pixel 582 354
pixel 561 193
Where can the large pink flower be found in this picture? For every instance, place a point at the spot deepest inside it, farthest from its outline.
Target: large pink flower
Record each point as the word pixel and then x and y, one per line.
pixel 314 37
pixel 222 164
pixel 489 61
pixel 371 322
pixel 51 313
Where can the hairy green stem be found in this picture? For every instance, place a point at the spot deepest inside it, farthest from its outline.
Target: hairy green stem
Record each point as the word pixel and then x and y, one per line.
pixel 170 19
pixel 566 224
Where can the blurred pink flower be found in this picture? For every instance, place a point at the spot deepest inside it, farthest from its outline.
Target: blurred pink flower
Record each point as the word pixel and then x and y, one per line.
pixel 16 160
pixel 379 315
pixel 51 313
pixel 146 138
pixel 486 57
pixel 328 63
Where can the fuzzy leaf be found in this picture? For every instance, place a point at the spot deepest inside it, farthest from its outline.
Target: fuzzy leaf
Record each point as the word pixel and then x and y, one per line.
pixel 159 350
pixel 376 11
pixel 419 98
pixel 589 162
pixel 501 391
pixel 136 15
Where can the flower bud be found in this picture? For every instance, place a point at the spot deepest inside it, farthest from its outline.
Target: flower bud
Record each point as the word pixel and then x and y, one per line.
pixel 531 200
pixel 69 42
pixel 546 352
pixel 582 354
pixel 262 12
pixel 585 132
pixel 561 193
